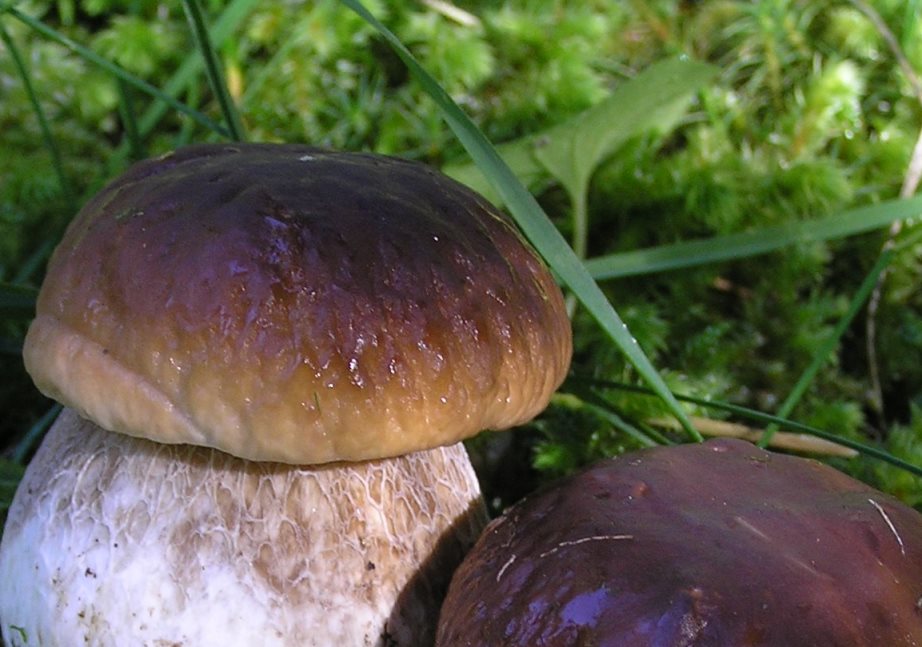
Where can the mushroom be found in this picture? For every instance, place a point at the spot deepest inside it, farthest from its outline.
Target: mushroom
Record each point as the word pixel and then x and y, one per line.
pixel 720 543
pixel 291 344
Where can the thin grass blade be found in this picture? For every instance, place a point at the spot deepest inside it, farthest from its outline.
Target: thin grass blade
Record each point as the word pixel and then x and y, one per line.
pixel 752 243
pixel 119 73
pixel 216 77
pixel 222 29
pixel 825 350
pixel 271 67
pixel 130 122
pixel 47 138
pixel 598 405
pixel 34 262
pixel 11 474
pixel 535 224
pixel 35 433
pixel 757 416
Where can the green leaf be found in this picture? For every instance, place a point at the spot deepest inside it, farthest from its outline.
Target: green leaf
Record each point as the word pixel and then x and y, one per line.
pixel 570 152
pixel 534 223
pixel 752 243
pixel 518 155
pixel 655 99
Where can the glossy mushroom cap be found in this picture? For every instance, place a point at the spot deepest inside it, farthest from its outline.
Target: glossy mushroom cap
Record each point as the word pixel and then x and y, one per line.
pixel 719 543
pixel 284 303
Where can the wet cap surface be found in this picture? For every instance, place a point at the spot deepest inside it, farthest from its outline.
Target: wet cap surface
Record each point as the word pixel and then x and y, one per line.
pixel 286 303
pixel 718 543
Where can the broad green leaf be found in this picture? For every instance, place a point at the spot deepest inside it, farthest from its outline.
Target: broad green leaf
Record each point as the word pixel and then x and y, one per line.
pixel 655 99
pixel 570 152
pixel 752 243
pixel 534 223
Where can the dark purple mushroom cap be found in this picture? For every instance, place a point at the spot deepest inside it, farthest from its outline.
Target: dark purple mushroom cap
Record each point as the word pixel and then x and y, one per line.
pixel 281 302
pixel 718 543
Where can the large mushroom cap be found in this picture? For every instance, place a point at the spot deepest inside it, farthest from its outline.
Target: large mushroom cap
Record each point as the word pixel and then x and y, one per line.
pixel 285 303
pixel 713 544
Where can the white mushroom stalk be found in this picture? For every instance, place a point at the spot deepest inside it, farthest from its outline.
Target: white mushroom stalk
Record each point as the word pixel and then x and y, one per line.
pixel 123 541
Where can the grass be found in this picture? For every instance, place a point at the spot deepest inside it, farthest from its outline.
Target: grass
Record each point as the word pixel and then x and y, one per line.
pixel 746 184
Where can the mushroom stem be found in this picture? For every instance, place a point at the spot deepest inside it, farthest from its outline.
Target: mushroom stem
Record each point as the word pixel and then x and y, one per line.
pixel 137 541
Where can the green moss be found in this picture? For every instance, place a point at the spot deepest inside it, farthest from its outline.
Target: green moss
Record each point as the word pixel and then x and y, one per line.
pixel 810 115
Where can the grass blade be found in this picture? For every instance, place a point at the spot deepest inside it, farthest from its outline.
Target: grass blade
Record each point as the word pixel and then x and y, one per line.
pixel 17 301
pixel 271 68
pixel 826 349
pixel 34 261
pixel 130 122
pixel 822 354
pixel 119 73
pixel 757 416
pixel 222 29
pixel 11 347
pixel 752 243
pixel 535 224
pixel 215 74
pixel 35 433
pixel 47 137
pixel 11 474
pixel 600 406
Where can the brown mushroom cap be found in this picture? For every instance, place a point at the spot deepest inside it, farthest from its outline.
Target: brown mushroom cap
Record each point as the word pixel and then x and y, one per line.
pixel 719 543
pixel 285 303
